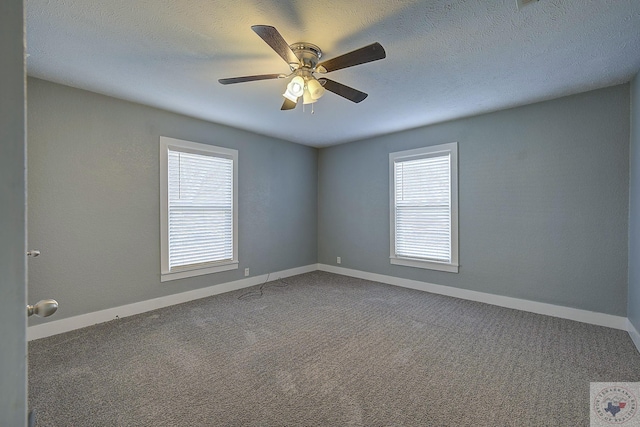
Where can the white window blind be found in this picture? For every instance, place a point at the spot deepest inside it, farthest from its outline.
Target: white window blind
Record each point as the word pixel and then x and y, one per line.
pixel 424 207
pixel 200 209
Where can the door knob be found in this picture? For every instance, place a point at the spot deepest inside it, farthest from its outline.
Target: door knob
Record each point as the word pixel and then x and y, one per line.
pixel 33 253
pixel 43 308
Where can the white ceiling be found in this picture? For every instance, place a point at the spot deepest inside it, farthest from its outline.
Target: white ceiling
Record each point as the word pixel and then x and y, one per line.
pixel 445 59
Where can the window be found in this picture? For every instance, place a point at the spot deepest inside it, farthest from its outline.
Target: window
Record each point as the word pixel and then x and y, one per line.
pixel 198 209
pixel 424 207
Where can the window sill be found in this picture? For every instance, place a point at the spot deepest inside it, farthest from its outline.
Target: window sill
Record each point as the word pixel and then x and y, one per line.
pixel 430 265
pixel 182 274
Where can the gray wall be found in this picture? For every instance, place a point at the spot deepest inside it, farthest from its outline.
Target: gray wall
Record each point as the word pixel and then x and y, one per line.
pixel 543 201
pixel 94 199
pixel 633 304
pixel 13 323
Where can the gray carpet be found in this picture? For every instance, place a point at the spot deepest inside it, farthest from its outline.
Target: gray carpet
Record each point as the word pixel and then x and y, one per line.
pixel 327 350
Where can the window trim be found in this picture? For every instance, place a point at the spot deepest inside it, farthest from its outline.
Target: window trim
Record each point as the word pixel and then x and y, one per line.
pixel 431 151
pixel 181 272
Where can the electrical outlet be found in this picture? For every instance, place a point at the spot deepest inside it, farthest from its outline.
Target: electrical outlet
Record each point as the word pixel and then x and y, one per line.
pixel 339 260
pixel 246 272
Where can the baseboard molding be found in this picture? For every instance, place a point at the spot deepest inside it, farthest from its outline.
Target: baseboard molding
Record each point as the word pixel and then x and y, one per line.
pixel 76 322
pixel 71 323
pixel 634 334
pixel 585 316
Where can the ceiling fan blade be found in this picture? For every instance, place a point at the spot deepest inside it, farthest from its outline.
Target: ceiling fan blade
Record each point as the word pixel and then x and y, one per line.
pixel 249 78
pixel 370 53
pixel 344 91
pixel 273 38
pixel 288 104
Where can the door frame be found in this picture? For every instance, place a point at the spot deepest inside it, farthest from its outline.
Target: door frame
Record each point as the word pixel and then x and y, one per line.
pixel 13 225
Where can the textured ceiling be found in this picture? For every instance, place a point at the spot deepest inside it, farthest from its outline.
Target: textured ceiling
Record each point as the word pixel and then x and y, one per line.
pixel 445 59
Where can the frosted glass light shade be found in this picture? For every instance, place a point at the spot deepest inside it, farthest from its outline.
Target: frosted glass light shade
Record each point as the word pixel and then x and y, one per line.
pixel 307 98
pixel 289 96
pixel 296 86
pixel 315 89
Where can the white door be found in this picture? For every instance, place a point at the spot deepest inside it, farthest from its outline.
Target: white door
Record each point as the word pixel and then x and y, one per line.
pixel 13 273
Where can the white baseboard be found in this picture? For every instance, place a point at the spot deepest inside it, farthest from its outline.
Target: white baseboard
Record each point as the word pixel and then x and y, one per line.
pixel 585 316
pixel 76 322
pixel 634 334
pixel 71 323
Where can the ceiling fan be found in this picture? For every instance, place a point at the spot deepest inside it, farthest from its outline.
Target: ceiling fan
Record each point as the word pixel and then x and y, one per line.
pixel 303 62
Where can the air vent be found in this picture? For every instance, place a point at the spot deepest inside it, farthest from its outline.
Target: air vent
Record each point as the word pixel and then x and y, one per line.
pixel 523 3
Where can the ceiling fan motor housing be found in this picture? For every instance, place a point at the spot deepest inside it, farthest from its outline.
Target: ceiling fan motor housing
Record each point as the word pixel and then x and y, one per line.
pixel 309 54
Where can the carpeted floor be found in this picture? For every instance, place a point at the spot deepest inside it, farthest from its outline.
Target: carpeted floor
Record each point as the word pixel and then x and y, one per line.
pixel 327 350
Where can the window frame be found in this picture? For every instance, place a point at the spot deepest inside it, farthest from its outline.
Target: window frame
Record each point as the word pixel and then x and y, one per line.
pixel 192 270
pixel 418 153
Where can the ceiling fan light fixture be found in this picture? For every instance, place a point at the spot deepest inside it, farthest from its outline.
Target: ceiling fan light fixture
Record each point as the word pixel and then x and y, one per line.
pixel 315 89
